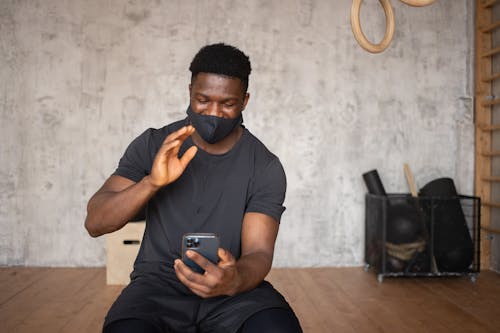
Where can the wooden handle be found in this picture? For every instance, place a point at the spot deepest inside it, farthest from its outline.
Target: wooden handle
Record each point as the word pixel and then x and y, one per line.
pixel 410 180
pixel 360 36
pixel 418 3
pixel 491 230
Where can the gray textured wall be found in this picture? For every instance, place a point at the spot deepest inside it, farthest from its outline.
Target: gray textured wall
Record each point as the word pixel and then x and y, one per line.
pixel 80 79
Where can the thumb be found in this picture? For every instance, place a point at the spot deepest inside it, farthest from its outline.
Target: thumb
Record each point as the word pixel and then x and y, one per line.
pixel 225 256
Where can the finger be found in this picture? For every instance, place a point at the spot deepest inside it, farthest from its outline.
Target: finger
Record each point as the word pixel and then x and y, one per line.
pixel 188 278
pixel 182 133
pixel 190 130
pixel 204 282
pixel 199 292
pixel 203 262
pixel 167 146
pixel 185 130
pixel 186 272
pixel 225 256
pixel 186 134
pixel 174 135
pixel 188 156
pixel 202 292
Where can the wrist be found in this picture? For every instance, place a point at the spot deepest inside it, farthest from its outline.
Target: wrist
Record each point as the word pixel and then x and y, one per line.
pixel 150 184
pixel 237 284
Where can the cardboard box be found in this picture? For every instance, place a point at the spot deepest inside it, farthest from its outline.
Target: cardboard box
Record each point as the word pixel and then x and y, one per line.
pixel 122 247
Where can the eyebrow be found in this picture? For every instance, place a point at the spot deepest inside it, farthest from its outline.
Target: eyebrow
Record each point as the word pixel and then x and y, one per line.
pixel 230 98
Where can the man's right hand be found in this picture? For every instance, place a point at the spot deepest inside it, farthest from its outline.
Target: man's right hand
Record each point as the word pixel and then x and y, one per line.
pixel 119 199
pixel 167 166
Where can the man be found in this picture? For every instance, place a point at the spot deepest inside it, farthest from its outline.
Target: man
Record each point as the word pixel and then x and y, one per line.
pixel 206 173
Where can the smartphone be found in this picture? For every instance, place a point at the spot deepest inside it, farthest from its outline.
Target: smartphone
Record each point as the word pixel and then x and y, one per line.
pixel 206 244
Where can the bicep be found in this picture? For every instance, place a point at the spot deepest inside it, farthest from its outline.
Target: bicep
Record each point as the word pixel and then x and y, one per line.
pixel 116 183
pixel 258 235
pixel 113 184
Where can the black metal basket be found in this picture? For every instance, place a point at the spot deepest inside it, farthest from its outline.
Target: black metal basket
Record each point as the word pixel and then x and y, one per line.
pixel 422 236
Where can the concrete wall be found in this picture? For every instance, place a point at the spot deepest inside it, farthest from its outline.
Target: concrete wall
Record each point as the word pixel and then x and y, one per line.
pixel 80 79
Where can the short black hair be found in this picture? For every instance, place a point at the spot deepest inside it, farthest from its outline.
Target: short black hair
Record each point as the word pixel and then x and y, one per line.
pixel 222 59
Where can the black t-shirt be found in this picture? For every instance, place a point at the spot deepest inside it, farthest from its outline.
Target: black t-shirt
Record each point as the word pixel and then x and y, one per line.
pixel 212 195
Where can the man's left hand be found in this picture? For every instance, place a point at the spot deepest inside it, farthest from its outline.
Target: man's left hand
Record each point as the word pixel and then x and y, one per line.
pixel 218 279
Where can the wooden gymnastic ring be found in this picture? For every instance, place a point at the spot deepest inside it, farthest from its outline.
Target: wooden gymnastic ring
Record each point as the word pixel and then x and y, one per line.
pixel 418 3
pixel 360 36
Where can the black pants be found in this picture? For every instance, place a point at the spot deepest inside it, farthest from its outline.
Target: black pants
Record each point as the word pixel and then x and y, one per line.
pixel 266 321
pixel 156 295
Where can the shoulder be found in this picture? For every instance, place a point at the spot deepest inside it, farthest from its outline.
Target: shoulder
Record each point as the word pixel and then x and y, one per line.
pixel 267 189
pixel 263 157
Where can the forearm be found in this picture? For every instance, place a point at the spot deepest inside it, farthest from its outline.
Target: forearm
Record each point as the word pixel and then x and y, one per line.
pixel 252 269
pixel 109 211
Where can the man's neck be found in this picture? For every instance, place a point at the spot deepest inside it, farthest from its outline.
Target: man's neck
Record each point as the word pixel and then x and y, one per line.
pixel 221 147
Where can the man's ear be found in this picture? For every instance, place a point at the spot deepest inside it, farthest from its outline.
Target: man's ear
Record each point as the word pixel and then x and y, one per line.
pixel 245 101
pixel 189 90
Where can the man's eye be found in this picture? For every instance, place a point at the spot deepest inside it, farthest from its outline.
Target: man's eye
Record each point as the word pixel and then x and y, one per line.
pixel 202 101
pixel 229 105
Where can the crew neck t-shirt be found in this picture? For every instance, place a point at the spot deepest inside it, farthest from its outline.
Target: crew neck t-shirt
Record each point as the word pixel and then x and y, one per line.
pixel 212 195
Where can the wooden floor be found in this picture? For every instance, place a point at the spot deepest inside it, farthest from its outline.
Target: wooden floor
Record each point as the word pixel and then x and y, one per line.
pixel 325 300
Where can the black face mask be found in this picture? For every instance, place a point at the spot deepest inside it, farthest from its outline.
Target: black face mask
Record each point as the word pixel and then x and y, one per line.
pixel 211 128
